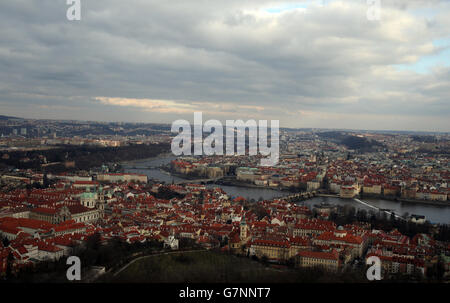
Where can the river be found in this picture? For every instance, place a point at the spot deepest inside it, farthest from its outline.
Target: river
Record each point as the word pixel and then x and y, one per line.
pixel 433 213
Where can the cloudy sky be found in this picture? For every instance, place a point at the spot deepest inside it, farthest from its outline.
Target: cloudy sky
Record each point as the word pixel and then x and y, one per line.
pixel 316 63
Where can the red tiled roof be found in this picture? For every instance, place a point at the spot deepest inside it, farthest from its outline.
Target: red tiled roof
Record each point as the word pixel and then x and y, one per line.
pixel 348 238
pixel 319 255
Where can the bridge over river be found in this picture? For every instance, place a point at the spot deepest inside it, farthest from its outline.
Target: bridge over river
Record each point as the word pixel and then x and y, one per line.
pixel 299 196
pixel 197 181
pixel 144 167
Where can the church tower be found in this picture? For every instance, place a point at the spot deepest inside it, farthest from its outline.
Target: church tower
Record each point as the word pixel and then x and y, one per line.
pixel 244 230
pixel 101 202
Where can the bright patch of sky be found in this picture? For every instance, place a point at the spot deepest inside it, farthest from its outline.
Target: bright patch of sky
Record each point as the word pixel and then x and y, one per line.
pixel 295 6
pixel 427 12
pixel 284 8
pixel 426 64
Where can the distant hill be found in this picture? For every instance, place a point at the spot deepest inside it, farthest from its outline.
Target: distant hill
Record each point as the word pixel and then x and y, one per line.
pixel 425 139
pixel 361 144
pixel 9 118
pixel 352 142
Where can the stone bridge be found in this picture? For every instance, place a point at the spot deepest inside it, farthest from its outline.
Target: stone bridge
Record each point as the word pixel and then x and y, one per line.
pixel 299 196
pixel 197 181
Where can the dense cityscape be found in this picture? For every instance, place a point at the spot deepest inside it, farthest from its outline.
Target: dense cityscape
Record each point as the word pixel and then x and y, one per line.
pixel 62 193
pixel 225 150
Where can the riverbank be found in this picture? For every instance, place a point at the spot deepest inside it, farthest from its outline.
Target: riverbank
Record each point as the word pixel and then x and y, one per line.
pixel 172 173
pixel 247 185
pixel 158 157
pixel 390 198
pixel 398 199
pixel 328 195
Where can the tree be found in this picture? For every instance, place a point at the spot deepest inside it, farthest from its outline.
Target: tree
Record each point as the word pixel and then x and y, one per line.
pixel 392 217
pixel 46 181
pixel 361 215
pixel 5 242
pixel 291 262
pixel 93 241
pixel 259 211
pixel 9 265
pixel 201 197
pixel 265 260
pixel 440 270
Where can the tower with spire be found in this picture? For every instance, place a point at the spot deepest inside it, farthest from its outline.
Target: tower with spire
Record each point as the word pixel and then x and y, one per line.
pixel 243 230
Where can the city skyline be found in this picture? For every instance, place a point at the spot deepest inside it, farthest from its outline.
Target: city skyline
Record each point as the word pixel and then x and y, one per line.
pixel 191 122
